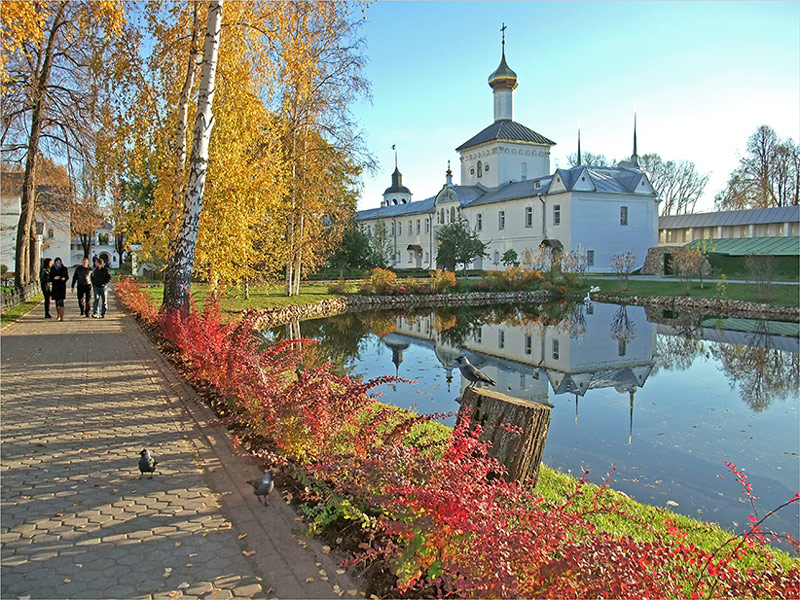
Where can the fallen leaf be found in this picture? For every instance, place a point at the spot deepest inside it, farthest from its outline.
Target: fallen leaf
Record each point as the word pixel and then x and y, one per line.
pixel 340 571
pixel 323 572
pixel 183 586
pixel 248 552
pixel 672 503
pixel 326 549
pixel 241 537
pixel 177 544
pixel 352 592
pixel 339 540
pixel 189 565
pixel 309 579
pixel 67 580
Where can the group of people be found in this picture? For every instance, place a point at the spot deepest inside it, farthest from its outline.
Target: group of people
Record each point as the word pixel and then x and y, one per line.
pixel 54 276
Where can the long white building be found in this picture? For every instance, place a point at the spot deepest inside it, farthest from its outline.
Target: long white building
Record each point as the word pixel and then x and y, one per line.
pixel 509 196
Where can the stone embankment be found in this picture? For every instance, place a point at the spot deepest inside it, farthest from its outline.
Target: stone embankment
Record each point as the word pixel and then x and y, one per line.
pixel 328 307
pixel 728 308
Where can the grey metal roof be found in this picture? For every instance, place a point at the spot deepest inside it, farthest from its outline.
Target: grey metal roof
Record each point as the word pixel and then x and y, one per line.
pixel 618 180
pixel 397 210
pixel 512 191
pixel 507 130
pixel 753 216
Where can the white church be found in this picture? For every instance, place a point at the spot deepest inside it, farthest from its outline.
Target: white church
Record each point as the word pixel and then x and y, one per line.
pixel 509 197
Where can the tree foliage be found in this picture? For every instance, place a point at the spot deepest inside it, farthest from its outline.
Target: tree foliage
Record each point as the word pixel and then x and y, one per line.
pixel 458 245
pixel 768 174
pixel 54 55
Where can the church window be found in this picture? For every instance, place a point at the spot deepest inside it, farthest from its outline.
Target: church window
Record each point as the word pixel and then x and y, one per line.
pixel 427 225
pixel 623 347
pixel 480 169
pixel 486 168
pixel 528 344
pixel 427 257
pixel 557 214
pixel 442 216
pixel 397 258
pixel 524 173
pixel 528 216
pixel 50 233
pixel 399 228
pixel 590 258
pixel 537 184
pixel 452 214
pixel 410 257
pixel 393 228
pixel 555 350
pixel 501 339
pixel 496 257
pixel 479 222
pixel 623 215
pixel 411 228
pixel 501 220
pixel 472 171
pixel 418 225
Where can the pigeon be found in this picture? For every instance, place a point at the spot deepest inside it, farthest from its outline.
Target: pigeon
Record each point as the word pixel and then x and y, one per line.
pixel 147 464
pixel 472 374
pixel 263 486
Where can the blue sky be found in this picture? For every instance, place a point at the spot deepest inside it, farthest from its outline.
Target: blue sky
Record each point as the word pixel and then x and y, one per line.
pixel 704 76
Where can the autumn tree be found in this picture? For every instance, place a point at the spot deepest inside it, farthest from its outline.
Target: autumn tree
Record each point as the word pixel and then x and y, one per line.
pixel 678 183
pixel 178 274
pixel 767 175
pixel 51 63
pixel 320 67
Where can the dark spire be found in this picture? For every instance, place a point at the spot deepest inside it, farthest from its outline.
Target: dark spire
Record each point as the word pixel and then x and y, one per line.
pixel 579 144
pixel 635 155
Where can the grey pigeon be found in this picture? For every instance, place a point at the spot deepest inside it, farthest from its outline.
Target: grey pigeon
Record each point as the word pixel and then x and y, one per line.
pixel 472 374
pixel 263 486
pixel 147 464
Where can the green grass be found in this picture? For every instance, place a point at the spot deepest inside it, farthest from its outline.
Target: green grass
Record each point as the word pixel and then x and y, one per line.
pixel 782 295
pixel 233 301
pixel 16 312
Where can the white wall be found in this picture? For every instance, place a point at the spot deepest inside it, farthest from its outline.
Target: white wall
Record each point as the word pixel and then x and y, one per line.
pixel 504 160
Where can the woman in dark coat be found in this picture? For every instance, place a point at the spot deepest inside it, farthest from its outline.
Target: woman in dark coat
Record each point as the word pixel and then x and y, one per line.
pixel 59 275
pixel 46 285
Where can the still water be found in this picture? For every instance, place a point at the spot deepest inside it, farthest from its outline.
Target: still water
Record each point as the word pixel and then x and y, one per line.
pixel 667 397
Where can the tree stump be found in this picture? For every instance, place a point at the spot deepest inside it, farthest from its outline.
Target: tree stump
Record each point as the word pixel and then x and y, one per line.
pixel 521 453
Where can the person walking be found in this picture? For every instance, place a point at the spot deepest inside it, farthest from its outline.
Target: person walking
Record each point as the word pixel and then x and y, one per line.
pixel 46 285
pixel 59 275
pixel 82 277
pixel 100 279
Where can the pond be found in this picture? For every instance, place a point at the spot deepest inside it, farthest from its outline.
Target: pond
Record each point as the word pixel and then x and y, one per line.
pixel 666 397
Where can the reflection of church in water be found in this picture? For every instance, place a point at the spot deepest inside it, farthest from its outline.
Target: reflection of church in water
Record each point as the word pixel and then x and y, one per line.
pixel 606 346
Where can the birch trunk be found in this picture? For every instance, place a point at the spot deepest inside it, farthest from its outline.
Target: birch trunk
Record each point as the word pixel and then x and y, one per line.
pixel 26 268
pixel 178 274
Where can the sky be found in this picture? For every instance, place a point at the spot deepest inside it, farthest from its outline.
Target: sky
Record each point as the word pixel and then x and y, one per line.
pixel 703 77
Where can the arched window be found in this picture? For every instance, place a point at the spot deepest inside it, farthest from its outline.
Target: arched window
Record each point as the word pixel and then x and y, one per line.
pixel 480 168
pixel 524 173
pixel 442 215
pixel 453 214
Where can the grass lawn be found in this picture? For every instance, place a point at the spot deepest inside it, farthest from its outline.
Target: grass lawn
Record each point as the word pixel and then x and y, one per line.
pixel 782 295
pixel 15 313
pixel 261 296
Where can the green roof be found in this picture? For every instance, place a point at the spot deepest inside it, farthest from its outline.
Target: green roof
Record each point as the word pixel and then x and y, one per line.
pixel 774 246
pixel 754 326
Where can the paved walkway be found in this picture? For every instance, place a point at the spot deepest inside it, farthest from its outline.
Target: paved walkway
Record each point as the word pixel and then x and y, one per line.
pixel 80 399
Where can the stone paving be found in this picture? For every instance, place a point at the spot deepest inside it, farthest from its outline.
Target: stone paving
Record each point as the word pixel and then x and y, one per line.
pixel 80 399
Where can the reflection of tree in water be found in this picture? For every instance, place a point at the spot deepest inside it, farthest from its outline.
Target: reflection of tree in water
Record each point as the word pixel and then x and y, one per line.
pixel 622 328
pixel 676 352
pixel 762 374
